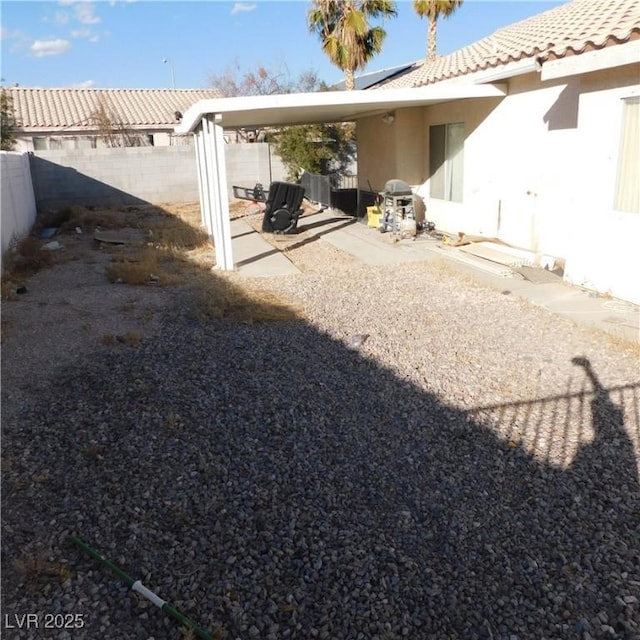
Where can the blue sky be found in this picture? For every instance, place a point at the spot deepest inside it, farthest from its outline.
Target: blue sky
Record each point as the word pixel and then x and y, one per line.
pixel 122 44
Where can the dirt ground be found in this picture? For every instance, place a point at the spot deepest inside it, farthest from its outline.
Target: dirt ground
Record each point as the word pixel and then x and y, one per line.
pixel 88 292
pixel 115 275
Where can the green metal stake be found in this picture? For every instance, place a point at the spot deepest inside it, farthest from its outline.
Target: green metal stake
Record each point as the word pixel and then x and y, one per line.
pixel 136 585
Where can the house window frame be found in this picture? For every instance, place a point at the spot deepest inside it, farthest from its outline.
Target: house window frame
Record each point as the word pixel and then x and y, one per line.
pixel 626 197
pixel 446 161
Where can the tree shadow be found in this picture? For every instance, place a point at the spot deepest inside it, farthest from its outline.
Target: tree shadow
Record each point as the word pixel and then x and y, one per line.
pixel 308 492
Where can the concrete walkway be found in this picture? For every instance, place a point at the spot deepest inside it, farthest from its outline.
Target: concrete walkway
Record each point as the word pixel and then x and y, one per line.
pixel 253 256
pixel 256 257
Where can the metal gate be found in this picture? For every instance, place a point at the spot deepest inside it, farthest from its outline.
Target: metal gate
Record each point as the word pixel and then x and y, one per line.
pixel 336 191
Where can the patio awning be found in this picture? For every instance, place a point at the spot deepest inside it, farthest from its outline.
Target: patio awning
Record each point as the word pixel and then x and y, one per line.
pixel 206 119
pixel 327 106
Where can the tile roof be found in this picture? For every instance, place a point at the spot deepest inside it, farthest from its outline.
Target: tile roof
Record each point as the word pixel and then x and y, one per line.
pixel 570 29
pixel 72 108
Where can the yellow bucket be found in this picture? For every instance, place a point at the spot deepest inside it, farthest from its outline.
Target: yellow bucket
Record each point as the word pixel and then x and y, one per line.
pixel 373 217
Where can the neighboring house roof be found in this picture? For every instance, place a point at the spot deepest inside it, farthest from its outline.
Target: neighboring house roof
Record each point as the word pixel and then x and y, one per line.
pixel 573 28
pixel 73 109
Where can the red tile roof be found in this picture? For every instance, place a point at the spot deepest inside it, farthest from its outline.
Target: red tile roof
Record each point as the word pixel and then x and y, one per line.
pixel 73 108
pixel 571 29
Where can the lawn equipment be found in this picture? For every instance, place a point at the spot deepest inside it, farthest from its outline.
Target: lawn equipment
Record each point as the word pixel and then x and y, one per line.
pixel 282 205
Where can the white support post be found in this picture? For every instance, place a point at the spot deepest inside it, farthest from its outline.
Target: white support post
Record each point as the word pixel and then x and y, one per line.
pixel 203 183
pixel 216 191
pixel 212 187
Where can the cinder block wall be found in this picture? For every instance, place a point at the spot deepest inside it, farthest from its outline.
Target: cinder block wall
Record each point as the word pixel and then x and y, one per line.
pixel 249 163
pixel 136 175
pixel 18 206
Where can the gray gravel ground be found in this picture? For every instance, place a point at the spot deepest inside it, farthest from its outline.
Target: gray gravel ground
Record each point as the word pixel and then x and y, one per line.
pixel 456 476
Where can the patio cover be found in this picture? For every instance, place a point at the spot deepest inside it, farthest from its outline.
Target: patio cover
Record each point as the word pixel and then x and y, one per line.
pixel 206 120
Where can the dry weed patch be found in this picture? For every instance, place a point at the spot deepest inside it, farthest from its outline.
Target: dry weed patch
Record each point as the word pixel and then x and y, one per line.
pixel 175 234
pixel 27 257
pixel 8 289
pixel 58 219
pixel 188 212
pixel 217 297
pixel 134 270
pixel 91 219
pixel 131 338
pixel 178 253
pixel 184 250
pixel 36 571
pixel 87 219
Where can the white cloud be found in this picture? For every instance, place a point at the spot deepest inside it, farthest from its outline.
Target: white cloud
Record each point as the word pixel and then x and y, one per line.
pixel 17 41
pixel 41 48
pixel 87 84
pixel 242 7
pixel 6 34
pixel 86 34
pixel 85 13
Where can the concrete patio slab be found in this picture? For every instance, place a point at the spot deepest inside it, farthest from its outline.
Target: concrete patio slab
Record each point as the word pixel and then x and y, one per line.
pixel 254 257
pixel 370 246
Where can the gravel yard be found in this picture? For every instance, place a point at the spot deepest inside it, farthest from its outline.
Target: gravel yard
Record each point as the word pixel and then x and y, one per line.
pixel 471 470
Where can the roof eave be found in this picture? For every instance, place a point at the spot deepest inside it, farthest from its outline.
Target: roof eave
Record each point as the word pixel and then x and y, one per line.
pixel 84 130
pixel 585 62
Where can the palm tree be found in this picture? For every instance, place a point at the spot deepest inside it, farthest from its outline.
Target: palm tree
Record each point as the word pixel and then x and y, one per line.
pixel 433 9
pixel 346 35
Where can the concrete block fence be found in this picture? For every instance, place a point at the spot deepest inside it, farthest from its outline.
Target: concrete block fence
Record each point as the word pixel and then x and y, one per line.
pixel 45 180
pixel 135 175
pixel 17 205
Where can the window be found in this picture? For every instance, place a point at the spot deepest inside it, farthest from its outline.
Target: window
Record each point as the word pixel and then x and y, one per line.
pixel 86 142
pixel 627 197
pixel 446 144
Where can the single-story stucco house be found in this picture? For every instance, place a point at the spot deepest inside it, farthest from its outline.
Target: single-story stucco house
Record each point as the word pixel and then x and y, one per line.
pixel 69 118
pixel 530 135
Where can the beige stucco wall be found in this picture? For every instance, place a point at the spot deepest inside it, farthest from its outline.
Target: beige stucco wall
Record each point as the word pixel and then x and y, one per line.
pixel 603 253
pixel 479 185
pixel 393 150
pixel 540 169
pixel 411 145
pixel 376 152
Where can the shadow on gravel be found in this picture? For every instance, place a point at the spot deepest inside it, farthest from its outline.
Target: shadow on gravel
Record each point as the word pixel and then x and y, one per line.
pixel 272 483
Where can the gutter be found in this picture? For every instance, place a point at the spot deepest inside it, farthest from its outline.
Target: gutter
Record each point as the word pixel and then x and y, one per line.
pixel 521 67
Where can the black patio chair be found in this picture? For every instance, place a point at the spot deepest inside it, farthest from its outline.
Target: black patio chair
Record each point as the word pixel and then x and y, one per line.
pixel 282 208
